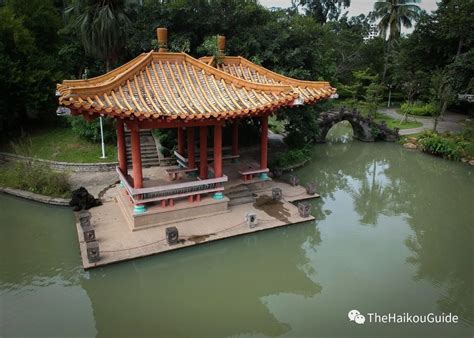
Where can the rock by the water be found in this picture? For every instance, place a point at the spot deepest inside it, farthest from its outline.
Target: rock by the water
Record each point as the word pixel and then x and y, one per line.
pixel 410 146
pixel 471 162
pixel 81 199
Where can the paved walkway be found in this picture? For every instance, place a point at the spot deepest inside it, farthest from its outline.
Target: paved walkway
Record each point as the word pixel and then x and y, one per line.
pixel 451 122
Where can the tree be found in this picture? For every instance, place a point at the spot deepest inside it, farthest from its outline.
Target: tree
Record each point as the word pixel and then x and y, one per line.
pixel 324 10
pixel 394 14
pixel 102 26
pixel 456 21
pixel 29 66
pixel 373 97
pixel 443 93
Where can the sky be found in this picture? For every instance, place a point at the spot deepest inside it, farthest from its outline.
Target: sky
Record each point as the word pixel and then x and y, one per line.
pixel 357 6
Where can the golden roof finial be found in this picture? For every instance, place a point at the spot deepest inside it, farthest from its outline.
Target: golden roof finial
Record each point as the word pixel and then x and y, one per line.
pixel 162 35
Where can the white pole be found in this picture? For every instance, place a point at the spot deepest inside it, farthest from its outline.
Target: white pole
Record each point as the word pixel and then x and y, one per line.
pixel 389 96
pixel 102 137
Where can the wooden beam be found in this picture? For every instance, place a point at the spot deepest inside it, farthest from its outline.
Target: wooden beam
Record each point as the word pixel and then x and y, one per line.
pixel 154 124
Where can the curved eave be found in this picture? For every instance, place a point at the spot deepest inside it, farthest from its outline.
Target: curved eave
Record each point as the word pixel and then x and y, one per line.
pixel 309 91
pixel 125 92
pixel 86 108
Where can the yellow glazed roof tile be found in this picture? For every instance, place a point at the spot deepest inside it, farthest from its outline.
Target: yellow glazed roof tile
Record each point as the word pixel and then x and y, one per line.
pixel 309 91
pixel 173 85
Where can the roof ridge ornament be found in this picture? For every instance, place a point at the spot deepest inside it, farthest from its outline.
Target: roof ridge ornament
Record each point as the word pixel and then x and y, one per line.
pixel 221 44
pixel 162 36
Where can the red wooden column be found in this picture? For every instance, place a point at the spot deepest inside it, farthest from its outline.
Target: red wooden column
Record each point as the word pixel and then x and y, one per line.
pixel 235 138
pixel 136 163
pixel 122 152
pixel 264 146
pixel 191 158
pixel 181 140
pixel 217 150
pixel 203 152
pixel 218 157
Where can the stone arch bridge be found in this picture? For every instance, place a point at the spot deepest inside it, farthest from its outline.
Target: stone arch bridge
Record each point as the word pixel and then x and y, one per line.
pixel 365 128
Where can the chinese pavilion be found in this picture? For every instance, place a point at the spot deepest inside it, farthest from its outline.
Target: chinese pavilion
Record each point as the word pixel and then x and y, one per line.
pixel 308 91
pixel 174 90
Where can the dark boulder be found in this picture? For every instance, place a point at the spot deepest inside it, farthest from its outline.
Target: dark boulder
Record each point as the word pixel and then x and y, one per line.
pixel 81 199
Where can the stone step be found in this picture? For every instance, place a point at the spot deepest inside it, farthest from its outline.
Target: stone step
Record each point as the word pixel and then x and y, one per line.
pixel 144 145
pixel 146 160
pixel 146 155
pixel 242 200
pixel 239 188
pixel 144 151
pixel 146 165
pixel 238 194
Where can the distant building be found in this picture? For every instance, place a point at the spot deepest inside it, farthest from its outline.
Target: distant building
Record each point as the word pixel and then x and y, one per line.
pixel 373 32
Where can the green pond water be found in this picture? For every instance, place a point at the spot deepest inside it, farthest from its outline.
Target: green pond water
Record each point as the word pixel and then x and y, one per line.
pixel 394 234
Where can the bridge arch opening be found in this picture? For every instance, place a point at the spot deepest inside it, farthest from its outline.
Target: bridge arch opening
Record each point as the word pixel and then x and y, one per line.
pixel 340 132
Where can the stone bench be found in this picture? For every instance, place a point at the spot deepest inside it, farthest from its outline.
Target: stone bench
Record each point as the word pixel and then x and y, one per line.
pixel 174 173
pixel 224 157
pixel 247 175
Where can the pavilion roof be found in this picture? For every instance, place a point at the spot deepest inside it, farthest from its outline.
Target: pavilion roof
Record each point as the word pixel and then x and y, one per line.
pixel 172 86
pixel 309 91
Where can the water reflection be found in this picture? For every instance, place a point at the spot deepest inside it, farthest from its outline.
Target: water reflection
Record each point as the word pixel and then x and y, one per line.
pixel 213 290
pixel 341 132
pixel 40 294
pixel 393 234
pixel 371 196
pixel 433 195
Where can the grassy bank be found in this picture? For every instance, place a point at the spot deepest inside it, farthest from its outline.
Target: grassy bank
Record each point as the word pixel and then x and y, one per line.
pixel 62 144
pixel 364 110
pixel 393 123
pixel 37 178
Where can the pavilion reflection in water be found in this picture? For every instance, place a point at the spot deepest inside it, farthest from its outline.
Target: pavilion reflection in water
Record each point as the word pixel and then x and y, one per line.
pixel 180 305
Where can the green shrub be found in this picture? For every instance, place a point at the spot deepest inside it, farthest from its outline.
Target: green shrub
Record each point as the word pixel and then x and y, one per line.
pixel 167 138
pixel 419 109
pixel 452 148
pixel 275 125
pixel 468 131
pixel 91 130
pixel 291 157
pixel 35 177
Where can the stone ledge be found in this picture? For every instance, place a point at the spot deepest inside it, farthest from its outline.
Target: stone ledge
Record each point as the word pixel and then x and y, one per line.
pixel 35 197
pixel 62 166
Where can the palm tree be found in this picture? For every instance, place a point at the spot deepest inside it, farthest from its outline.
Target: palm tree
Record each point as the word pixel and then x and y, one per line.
pixel 394 14
pixel 102 26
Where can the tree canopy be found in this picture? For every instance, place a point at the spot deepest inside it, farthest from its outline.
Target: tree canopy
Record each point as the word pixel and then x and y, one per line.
pixel 45 41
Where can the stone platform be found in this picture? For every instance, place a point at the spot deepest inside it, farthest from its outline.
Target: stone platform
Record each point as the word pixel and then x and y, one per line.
pixel 117 242
pixel 157 215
